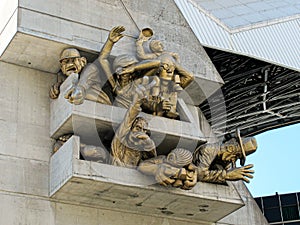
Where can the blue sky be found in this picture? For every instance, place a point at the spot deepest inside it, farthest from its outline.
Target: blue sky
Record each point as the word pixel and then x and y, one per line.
pixel 276 162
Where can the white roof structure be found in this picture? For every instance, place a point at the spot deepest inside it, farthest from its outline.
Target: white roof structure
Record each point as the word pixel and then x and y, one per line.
pixel 267 30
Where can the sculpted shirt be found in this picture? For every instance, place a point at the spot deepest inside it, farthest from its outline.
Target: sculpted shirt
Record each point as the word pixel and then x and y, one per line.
pixel 125 94
pixel 91 81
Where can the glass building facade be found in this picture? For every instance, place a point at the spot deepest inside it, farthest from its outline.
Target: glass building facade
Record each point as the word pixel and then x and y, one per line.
pixel 281 209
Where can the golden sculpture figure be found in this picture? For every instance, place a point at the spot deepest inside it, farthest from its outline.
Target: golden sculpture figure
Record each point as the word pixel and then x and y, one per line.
pixel 60 141
pixel 157 50
pixel 89 83
pixel 88 152
pixel 175 169
pixel 70 62
pixel 124 78
pixel 216 162
pixel 131 142
pixel 172 76
pixel 213 163
pixel 124 75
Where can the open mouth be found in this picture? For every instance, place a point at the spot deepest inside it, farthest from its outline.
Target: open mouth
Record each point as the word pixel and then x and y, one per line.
pixel 71 68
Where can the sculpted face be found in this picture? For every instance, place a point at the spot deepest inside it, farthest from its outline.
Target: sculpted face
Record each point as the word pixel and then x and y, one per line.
pixel 167 70
pixel 156 46
pixel 138 137
pixel 141 127
pixel 229 156
pixel 125 78
pixel 139 130
pixel 167 67
pixel 232 151
pixel 71 65
pixel 71 61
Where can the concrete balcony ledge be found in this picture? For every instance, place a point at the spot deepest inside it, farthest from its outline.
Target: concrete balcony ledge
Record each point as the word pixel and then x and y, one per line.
pixel 106 186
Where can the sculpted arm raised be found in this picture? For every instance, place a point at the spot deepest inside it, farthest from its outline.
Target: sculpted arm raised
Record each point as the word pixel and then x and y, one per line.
pixel 132 142
pixel 140 51
pixel 130 116
pixel 113 37
pixel 149 66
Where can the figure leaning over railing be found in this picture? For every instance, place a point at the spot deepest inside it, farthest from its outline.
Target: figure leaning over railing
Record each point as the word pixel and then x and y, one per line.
pixel 132 143
pixel 216 161
pixel 173 78
pixel 126 70
pixel 87 81
pixel 211 162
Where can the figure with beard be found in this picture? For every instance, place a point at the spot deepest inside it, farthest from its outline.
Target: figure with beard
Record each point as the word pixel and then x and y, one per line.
pixel 131 142
pixel 216 161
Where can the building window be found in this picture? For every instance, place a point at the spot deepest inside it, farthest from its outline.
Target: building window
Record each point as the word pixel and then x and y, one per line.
pixel 290 213
pixel 288 199
pixel 271 201
pixel 272 214
pixel 289 207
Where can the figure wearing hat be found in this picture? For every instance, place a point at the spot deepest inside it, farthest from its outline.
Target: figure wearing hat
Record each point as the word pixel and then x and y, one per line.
pixel 71 62
pixel 87 80
pixel 216 161
pixel 124 73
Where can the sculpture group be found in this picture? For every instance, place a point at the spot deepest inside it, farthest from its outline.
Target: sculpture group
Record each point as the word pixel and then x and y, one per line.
pixel 148 81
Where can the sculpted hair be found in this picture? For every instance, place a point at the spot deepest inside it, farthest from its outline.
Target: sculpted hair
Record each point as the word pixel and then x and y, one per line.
pixel 180 157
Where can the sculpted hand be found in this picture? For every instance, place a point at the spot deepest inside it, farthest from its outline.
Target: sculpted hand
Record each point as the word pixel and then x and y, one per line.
pixel 54 90
pixel 176 57
pixel 191 177
pixel 126 70
pixel 115 34
pixel 143 38
pixel 75 95
pixel 141 93
pixel 166 105
pixel 165 173
pixel 240 173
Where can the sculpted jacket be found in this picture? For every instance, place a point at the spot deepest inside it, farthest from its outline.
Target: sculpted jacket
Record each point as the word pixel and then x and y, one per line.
pixel 210 167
